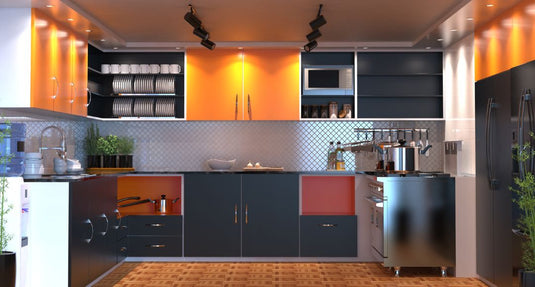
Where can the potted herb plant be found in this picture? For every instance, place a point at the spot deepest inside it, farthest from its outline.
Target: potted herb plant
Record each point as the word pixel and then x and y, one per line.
pixel 125 149
pixel 107 146
pixel 93 157
pixel 525 199
pixel 7 258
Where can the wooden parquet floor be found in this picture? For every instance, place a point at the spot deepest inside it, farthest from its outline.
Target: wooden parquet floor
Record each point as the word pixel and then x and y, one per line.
pixel 245 274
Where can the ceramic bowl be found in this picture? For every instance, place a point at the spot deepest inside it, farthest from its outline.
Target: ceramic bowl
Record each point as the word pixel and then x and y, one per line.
pixel 219 164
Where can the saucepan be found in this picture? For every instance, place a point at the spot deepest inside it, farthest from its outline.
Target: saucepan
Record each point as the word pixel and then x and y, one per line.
pixel 162 205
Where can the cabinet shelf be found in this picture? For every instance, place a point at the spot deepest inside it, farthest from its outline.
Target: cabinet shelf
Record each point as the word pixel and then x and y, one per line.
pixel 397 96
pixel 136 95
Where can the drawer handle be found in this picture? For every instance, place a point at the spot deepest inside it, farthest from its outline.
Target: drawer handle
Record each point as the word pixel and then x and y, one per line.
pixel 155 224
pixel 246 214
pixel 328 225
pixel 156 246
pixel 235 213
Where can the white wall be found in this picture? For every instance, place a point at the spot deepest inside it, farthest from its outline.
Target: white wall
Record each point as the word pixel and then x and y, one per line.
pixel 459 112
pixel 15 57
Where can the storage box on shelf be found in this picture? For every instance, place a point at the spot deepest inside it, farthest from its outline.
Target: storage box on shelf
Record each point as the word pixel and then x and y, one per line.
pixel 138 85
pixel 399 85
pixel 320 103
pixel 328 220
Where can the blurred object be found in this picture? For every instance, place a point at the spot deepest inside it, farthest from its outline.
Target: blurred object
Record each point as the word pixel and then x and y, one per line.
pixel 219 164
pixel 452 157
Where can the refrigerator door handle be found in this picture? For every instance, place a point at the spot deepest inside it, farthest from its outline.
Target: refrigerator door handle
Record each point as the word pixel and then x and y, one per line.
pixel 520 132
pixel 489 138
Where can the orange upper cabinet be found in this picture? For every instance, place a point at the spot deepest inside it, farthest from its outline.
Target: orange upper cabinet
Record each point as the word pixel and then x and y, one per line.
pixel 59 67
pixel 214 90
pixel 243 84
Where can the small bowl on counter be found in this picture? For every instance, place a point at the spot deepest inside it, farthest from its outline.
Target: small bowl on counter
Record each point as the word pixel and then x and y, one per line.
pixel 220 164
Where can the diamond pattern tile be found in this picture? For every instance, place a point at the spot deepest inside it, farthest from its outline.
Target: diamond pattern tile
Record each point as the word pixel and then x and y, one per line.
pixel 185 146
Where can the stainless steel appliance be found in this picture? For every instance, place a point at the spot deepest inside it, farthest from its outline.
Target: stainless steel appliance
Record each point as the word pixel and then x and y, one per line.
pixel 413 220
pixel 328 80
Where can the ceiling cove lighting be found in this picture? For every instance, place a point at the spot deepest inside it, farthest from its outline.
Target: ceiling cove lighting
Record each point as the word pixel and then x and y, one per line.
pixel 315 34
pixel 198 29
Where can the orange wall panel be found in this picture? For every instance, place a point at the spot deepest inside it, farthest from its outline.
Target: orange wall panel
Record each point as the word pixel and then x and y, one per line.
pixel 328 195
pixel 151 187
pixel 271 78
pixel 505 42
pixel 213 80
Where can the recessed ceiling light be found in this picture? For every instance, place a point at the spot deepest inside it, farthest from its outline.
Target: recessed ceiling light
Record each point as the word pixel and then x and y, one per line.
pixel 70 19
pixel 102 40
pixel 440 39
pixel 365 48
pixel 49 6
pixel 490 5
pixel 427 48
pixel 178 48
pixel 453 30
pixel 115 48
pixel 88 30
pixel 469 19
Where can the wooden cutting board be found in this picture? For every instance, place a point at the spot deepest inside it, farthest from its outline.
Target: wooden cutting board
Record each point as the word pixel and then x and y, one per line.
pixel 263 168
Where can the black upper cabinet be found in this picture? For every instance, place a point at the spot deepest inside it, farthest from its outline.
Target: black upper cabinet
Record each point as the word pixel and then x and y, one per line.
pixel 135 100
pixel 270 225
pixel 212 215
pixel 235 215
pixel 399 85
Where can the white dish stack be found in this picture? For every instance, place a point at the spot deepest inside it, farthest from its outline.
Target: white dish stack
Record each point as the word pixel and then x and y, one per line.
pixel 33 163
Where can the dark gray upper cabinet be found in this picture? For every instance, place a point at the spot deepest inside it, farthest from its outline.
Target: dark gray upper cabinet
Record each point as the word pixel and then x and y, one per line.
pixel 235 215
pixel 399 85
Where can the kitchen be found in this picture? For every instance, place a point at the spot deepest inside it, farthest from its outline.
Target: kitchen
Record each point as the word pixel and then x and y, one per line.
pixel 298 145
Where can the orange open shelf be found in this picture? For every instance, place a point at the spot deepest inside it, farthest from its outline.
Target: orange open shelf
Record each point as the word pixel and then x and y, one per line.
pixel 151 187
pixel 328 195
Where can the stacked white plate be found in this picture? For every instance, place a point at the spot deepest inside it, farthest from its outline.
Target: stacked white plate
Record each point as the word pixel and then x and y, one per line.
pixel 122 107
pixel 144 107
pixel 165 84
pixel 144 84
pixel 33 163
pixel 164 107
pixel 122 84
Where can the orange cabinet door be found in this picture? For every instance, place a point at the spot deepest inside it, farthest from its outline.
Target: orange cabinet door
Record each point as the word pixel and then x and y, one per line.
pixel 63 72
pixel 79 75
pixel 214 82
pixel 44 85
pixel 271 84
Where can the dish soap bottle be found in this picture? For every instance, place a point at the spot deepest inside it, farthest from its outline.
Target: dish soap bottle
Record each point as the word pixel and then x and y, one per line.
pixel 340 163
pixel 331 157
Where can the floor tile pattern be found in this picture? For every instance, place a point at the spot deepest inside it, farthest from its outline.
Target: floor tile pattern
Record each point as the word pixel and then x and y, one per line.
pixel 154 274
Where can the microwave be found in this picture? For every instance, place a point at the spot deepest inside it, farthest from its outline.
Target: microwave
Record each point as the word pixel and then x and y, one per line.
pixel 328 80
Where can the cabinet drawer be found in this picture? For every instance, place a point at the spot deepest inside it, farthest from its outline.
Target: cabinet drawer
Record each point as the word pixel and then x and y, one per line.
pixel 143 245
pixel 329 236
pixel 155 225
pixel 122 228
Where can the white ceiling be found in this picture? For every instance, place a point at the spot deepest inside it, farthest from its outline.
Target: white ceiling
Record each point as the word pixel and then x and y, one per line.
pixel 160 24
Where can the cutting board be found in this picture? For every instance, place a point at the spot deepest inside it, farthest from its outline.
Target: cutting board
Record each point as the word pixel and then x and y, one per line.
pixel 263 168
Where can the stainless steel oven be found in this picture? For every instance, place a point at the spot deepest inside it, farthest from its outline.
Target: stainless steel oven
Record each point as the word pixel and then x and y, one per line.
pixel 376 201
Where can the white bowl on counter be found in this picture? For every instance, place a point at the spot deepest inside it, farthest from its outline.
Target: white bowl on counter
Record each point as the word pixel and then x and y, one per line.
pixel 220 164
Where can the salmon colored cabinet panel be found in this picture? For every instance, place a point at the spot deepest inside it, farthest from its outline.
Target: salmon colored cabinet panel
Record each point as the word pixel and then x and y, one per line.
pixel 271 81
pixel 213 83
pixel 328 195
pixel 148 187
pixel 59 67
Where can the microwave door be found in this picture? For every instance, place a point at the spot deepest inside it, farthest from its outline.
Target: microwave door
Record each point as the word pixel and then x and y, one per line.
pixel 328 80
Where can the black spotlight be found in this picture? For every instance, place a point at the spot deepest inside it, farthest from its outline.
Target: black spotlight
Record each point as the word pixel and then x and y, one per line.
pixel 208 44
pixel 313 35
pixel 319 21
pixel 191 18
pixel 310 46
pixel 201 33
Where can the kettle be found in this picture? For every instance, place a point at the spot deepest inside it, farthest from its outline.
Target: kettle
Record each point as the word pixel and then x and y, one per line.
pixel 164 205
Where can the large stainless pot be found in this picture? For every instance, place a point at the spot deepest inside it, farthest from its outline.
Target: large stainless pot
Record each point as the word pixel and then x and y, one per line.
pixel 405 158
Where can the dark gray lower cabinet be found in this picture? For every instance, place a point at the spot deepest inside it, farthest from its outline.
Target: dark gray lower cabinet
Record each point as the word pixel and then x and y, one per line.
pixel 157 235
pixel 329 236
pixel 93 225
pixel 235 215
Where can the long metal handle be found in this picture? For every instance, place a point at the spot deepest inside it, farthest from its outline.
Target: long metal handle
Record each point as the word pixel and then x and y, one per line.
pixel 156 246
pixel 249 110
pixel 520 132
pixel 327 225
pixel 89 101
pixel 55 95
pixel 236 108
pixel 72 96
pixel 246 214
pixel 531 119
pixel 103 215
pixel 88 221
pixel 489 138
pixel 376 218
pixel 155 224
pixel 235 213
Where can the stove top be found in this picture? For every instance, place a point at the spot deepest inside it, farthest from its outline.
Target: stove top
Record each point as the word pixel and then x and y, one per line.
pixel 382 173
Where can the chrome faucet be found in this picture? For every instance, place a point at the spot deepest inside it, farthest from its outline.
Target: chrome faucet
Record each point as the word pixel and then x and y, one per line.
pixel 62 148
